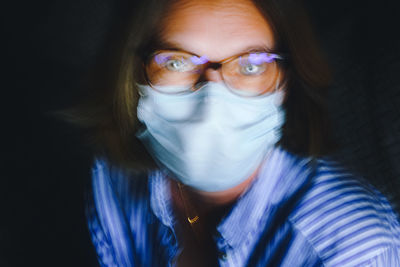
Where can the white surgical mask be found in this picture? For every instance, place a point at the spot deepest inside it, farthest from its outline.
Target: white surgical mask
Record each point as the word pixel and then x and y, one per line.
pixel 211 139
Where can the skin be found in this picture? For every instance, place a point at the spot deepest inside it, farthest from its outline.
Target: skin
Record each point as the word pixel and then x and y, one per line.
pixel 204 28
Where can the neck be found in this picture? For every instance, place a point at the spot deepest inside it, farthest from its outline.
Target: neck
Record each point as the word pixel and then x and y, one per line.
pixel 204 210
pixel 208 207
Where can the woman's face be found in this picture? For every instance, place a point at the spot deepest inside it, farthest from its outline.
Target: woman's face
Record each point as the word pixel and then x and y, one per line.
pixel 216 29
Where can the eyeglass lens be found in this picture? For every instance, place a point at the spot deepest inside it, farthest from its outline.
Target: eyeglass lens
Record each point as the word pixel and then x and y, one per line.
pixel 248 74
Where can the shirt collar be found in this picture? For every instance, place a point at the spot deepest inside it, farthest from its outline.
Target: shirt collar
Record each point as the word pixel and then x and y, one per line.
pixel 279 177
pixel 160 198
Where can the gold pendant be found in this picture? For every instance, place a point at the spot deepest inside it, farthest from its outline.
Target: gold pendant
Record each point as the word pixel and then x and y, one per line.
pixel 192 221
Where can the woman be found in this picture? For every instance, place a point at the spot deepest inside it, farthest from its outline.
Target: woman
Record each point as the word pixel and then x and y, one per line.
pixel 212 146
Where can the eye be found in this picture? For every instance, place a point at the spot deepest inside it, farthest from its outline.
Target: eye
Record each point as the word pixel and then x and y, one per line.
pixel 252 69
pixel 179 65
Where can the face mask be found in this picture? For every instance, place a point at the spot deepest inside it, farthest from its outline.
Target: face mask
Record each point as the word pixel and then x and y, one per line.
pixel 210 139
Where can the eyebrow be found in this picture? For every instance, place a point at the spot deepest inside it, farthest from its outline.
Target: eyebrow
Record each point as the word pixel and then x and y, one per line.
pixel 166 45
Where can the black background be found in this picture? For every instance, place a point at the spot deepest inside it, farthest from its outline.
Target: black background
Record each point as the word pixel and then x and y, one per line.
pixel 48 49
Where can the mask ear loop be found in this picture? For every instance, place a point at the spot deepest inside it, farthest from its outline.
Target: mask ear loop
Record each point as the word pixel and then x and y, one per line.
pixel 277 85
pixel 278 88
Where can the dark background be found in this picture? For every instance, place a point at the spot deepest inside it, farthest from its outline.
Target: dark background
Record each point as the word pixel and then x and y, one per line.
pixel 49 47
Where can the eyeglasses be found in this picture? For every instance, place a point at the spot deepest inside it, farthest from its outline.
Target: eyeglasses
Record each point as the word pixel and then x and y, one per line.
pixel 247 74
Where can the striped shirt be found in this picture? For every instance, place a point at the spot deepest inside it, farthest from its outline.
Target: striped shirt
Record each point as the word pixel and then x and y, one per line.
pixel 297 212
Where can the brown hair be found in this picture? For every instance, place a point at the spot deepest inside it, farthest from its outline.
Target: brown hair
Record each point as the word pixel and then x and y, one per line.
pixel 109 113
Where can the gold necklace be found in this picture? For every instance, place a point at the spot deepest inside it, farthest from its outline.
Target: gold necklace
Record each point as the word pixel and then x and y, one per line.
pixel 187 207
pixel 192 217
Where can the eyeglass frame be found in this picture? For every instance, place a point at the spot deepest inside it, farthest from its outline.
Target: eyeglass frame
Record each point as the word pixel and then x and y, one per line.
pixel 208 64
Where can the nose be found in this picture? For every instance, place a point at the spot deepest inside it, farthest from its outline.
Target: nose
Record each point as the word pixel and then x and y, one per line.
pixel 212 74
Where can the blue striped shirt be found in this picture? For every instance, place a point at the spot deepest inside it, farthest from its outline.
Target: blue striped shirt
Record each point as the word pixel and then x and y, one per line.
pixel 297 212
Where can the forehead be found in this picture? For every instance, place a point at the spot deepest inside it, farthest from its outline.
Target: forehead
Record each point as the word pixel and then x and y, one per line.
pixel 217 29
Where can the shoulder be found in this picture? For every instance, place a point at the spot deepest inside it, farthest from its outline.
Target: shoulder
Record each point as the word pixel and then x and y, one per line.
pixel 115 189
pixel 117 179
pixel 116 196
pixel 345 219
